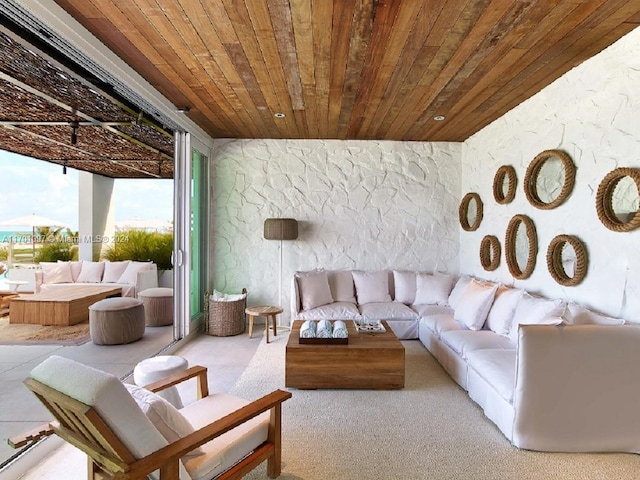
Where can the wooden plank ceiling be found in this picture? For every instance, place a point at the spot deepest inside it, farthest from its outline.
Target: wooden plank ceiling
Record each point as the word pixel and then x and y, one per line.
pixel 352 69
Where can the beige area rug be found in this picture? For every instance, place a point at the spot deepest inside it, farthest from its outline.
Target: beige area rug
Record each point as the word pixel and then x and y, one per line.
pixel 429 430
pixel 23 334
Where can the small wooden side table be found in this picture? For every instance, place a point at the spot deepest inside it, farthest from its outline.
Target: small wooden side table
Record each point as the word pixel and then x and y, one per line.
pixel 266 312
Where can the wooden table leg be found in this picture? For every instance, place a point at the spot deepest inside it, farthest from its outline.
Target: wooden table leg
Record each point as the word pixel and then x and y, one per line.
pixel 250 325
pixel 266 326
pixel 275 331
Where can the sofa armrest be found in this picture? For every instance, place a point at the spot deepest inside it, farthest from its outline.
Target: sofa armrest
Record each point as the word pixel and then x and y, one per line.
pixel 38 276
pixel 577 388
pixel 295 298
pixel 146 279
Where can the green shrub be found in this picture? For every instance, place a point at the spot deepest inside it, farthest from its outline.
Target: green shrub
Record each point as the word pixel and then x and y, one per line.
pixel 142 246
pixel 4 253
pixel 54 251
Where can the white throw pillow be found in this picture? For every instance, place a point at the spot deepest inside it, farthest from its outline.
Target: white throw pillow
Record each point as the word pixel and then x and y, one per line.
pixel 130 274
pixel 433 289
pixel 91 272
pixel 579 315
pixel 341 285
pixel 503 309
pixel 113 271
pixel 56 272
pixel 314 289
pixel 474 304
pixel 76 268
pixel 536 311
pixel 405 287
pixel 372 286
pixel 459 287
pixel 167 419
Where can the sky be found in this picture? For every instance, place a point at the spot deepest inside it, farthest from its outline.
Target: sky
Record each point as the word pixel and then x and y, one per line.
pixel 33 186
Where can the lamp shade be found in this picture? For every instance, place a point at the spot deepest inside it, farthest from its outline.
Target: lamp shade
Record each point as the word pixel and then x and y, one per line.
pixel 280 229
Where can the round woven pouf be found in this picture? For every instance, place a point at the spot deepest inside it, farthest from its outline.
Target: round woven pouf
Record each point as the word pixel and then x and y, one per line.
pixel 158 306
pixel 158 368
pixel 117 320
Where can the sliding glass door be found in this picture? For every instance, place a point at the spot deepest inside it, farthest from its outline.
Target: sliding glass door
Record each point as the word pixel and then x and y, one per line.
pixel 191 226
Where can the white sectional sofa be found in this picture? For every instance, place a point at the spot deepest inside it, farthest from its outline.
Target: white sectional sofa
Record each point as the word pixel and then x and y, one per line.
pixel 552 376
pixel 132 277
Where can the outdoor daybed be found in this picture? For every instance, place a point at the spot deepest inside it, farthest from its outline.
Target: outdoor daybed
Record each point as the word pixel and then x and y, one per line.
pixel 132 277
pixel 552 376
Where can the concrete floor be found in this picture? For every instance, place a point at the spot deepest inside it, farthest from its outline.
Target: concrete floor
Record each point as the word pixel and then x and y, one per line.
pixel 225 357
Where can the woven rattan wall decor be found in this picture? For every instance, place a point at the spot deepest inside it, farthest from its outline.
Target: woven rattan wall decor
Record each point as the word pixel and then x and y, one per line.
pixel 490 253
pixel 532 179
pixel 510 246
pixel 556 265
pixel 504 184
pixel 604 200
pixel 464 212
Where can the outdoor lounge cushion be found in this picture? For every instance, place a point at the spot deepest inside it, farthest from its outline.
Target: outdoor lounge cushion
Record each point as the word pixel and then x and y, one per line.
pixel 465 341
pixel 442 322
pixel 497 368
pixel 387 311
pixel 334 311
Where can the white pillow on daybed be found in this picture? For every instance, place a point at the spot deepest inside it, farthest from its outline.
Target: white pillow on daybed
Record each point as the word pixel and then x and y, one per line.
pixel 579 315
pixel 114 270
pixel 341 285
pixel 405 286
pixel 91 272
pixel 53 272
pixel 130 274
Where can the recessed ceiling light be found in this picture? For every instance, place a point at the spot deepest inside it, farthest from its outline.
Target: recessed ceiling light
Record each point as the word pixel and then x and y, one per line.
pixel 439 118
pixel 183 110
pixel 279 115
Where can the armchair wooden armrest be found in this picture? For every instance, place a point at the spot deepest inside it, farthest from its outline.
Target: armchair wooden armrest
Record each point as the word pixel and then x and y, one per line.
pixel 197 371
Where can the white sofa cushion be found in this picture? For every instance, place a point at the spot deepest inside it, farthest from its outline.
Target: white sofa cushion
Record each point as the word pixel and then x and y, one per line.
pixel 314 289
pixel 405 287
pixel 165 417
pixel 497 368
pixel 228 449
pixel 433 288
pixel 474 304
pixel 76 267
pixel 114 270
pixel 53 272
pixel 439 323
pixel 387 311
pixel 372 287
pixel 578 315
pixel 91 272
pixel 457 290
pixel 130 274
pixel 109 397
pixel 333 311
pixel 341 285
pixel 536 311
pixel 503 309
pixel 465 341
pixel 425 310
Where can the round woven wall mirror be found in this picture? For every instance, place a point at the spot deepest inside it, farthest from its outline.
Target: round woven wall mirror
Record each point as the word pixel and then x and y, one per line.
pixel 490 253
pixel 521 246
pixel 549 179
pixel 618 199
pixel 470 212
pixel 504 184
pixel 567 260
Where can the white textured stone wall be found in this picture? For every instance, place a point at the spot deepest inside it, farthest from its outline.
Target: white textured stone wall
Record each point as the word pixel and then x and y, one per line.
pixel 360 205
pixel 592 113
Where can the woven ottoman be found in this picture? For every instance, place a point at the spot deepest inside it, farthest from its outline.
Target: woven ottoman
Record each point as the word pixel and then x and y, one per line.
pixel 117 320
pixel 158 306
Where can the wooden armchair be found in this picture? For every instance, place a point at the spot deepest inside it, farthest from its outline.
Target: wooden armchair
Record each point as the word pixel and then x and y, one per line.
pixel 96 413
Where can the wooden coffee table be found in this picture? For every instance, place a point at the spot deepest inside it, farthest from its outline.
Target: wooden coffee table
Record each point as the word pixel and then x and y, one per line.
pixel 369 360
pixel 67 306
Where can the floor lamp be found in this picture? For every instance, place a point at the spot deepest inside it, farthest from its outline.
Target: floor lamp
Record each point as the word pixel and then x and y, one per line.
pixel 280 229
